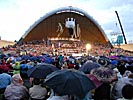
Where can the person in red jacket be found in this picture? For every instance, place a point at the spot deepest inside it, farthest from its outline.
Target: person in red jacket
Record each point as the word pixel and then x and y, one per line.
pixel 4 66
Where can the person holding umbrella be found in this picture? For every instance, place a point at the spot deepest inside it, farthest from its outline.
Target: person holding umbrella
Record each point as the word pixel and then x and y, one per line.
pixel 69 82
pixel 127 92
pixel 37 91
pixel 117 87
pixel 104 74
pixel 107 76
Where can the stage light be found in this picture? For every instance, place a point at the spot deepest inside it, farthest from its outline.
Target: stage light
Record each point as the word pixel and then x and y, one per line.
pixel 88 46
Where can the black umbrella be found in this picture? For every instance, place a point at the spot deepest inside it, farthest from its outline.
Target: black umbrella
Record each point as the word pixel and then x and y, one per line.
pixel 103 61
pixel 69 82
pixel 87 67
pixel 130 67
pixel 41 70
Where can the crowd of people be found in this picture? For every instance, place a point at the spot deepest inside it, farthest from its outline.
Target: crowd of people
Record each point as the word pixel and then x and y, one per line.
pixel 16 60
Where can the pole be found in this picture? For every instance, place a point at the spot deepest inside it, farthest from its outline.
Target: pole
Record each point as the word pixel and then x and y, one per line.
pixel 121 27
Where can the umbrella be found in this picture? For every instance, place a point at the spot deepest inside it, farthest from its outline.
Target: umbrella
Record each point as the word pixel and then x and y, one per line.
pixel 103 61
pixel 94 79
pixel 114 62
pixel 125 59
pixel 2 56
pixel 41 70
pixel 130 67
pixel 130 58
pixel 69 82
pixel 104 74
pixel 87 67
pixel 113 57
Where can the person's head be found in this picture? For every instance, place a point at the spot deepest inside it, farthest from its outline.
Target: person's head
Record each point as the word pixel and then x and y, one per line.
pixel 5 71
pixel 16 79
pixel 127 91
pixel 36 81
pixel 102 92
pixel 130 76
pixel 65 65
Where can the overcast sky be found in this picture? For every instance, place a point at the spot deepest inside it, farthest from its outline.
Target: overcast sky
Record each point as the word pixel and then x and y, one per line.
pixel 16 16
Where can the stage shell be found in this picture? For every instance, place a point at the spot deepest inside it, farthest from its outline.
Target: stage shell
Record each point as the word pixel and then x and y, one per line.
pixel 47 26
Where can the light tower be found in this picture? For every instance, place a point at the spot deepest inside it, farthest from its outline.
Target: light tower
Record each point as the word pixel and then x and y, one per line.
pixel 116 36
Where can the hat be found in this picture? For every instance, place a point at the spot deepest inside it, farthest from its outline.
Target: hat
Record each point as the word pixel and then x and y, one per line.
pixel 16 79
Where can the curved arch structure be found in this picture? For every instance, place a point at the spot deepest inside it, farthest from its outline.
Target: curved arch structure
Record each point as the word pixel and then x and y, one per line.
pixel 47 26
